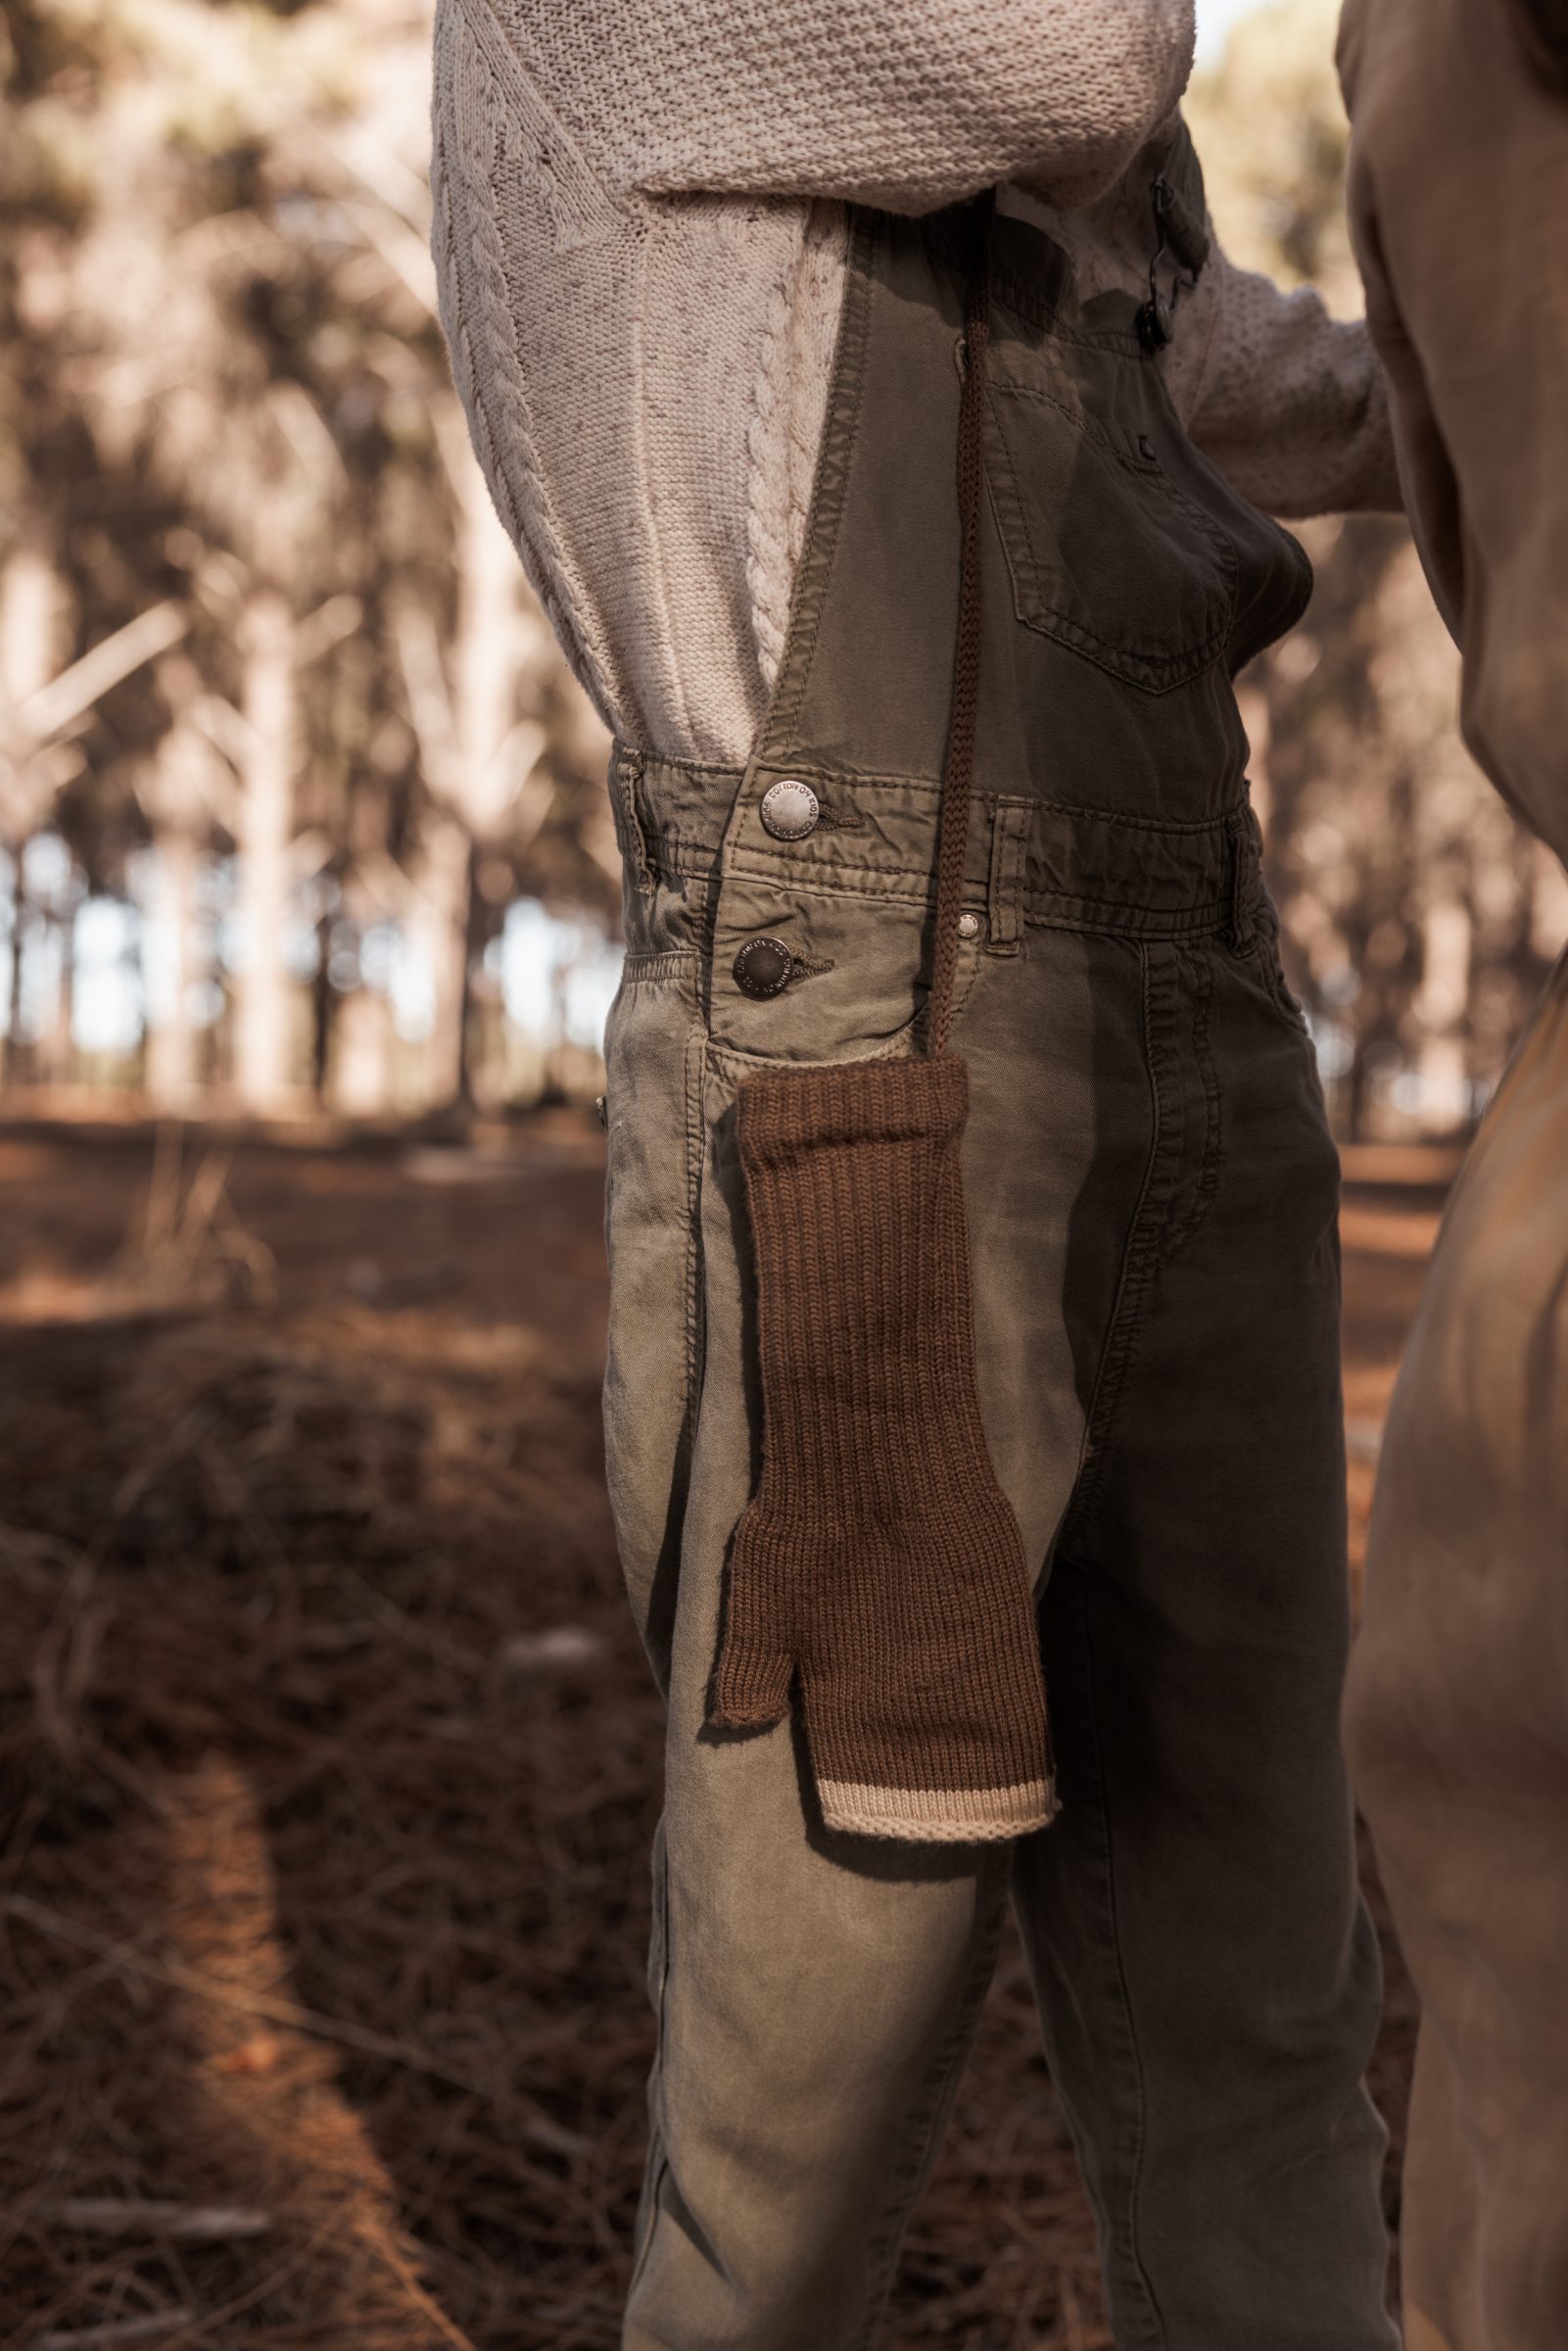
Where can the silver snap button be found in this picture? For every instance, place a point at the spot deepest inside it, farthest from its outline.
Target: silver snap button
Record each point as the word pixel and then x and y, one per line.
pixel 968 925
pixel 789 809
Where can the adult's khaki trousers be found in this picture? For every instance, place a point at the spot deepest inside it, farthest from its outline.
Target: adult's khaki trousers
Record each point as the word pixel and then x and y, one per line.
pixel 1457 1709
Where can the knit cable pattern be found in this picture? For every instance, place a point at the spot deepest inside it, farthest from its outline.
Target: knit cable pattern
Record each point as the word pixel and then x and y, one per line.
pixel 639 244
pixel 474 119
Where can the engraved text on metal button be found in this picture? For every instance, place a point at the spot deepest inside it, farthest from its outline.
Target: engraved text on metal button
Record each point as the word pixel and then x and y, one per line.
pixel 764 967
pixel 789 809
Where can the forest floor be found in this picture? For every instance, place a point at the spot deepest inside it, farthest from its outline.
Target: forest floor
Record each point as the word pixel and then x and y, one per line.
pixel 329 1763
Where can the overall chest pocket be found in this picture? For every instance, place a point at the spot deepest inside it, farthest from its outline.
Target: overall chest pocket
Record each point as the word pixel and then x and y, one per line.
pixel 1106 554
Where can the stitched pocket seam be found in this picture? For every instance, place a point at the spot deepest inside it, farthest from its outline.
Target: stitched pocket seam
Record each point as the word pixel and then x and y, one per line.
pixel 1153 668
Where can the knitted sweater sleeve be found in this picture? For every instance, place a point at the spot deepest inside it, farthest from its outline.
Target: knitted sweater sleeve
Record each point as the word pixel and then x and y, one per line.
pixel 1290 404
pixel 905 103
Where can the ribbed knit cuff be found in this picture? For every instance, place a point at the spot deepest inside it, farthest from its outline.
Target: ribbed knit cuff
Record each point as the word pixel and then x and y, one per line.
pixel 846 1103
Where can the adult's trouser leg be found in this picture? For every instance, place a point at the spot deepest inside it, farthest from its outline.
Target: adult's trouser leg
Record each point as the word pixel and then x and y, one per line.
pixel 1457 1718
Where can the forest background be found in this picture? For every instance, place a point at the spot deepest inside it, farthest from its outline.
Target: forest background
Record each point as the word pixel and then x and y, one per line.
pixel 300 810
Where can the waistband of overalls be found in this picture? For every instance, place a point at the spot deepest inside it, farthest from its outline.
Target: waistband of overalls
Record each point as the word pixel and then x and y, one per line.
pixel 1030 860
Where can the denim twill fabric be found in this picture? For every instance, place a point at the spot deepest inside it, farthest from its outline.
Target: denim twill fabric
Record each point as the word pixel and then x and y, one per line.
pixel 1152 1198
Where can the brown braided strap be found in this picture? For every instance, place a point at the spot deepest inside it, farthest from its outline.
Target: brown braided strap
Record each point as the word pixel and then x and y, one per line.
pixel 879 1570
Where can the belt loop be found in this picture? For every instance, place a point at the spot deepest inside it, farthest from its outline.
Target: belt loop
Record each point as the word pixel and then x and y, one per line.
pixel 629 766
pixel 1004 902
pixel 1246 876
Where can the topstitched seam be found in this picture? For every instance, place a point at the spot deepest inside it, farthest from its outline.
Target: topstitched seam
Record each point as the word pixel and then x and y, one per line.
pixel 841 433
pixel 1140 2130
pixel 1139 1259
pixel 881 883
pixel 1208 1183
pixel 950 2057
pixel 1221 826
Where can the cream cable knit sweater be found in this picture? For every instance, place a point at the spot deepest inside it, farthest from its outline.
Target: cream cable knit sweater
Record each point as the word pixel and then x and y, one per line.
pixel 641 240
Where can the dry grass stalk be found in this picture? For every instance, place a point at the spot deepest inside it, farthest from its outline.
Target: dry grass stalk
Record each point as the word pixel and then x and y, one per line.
pixel 182 2224
pixel 156 2326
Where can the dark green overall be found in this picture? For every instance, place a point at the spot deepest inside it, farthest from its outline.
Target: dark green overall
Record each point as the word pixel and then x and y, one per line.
pixel 1152 1199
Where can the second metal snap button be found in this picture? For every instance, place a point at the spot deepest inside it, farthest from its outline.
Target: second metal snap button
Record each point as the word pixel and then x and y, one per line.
pixel 789 809
pixel 764 967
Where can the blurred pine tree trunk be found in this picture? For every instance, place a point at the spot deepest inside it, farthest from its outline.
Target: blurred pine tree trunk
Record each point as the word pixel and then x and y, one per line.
pixel 1441 1006
pixel 464 715
pixel 263 1072
pixel 57 1042
pixel 31 636
pixel 443 884
pixel 171 917
pixel 359 1071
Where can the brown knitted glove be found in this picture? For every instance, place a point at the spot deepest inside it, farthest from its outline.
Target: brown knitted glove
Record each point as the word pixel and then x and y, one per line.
pixel 879 1565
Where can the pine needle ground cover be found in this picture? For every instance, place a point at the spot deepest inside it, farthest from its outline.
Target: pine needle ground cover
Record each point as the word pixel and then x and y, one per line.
pixel 329 1763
